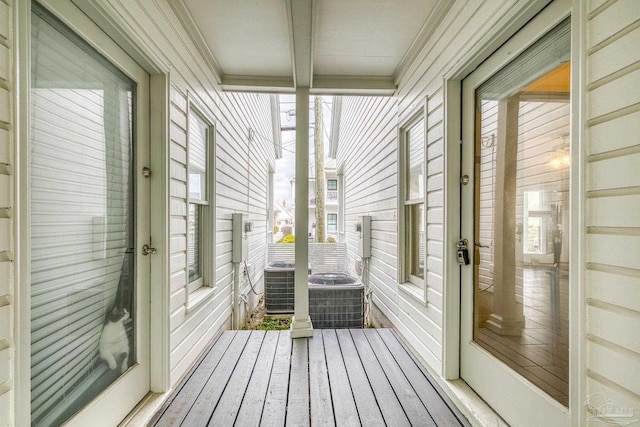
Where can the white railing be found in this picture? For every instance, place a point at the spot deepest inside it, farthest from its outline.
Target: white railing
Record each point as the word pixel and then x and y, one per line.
pixel 323 257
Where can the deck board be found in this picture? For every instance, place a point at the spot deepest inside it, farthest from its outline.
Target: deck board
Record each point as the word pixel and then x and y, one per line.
pixel 319 389
pixel 347 377
pixel 409 400
pixel 388 402
pixel 232 398
pixel 440 411
pixel 298 404
pixel 191 389
pixel 275 406
pixel 208 400
pixel 253 403
pixel 344 405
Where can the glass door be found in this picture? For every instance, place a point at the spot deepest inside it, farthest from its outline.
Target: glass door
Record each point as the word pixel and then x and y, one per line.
pixel 516 210
pixel 88 214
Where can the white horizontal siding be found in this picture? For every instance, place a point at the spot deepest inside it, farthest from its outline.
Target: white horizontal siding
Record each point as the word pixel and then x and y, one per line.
pixel 613 202
pixel 241 168
pixel 368 150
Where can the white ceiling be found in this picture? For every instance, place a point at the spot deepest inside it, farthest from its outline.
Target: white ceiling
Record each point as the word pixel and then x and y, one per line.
pixel 332 46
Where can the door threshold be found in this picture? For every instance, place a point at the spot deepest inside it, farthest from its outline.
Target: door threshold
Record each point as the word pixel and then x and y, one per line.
pixel 477 411
pixel 144 411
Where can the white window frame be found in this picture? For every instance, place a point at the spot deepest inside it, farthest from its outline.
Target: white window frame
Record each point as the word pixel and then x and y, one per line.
pixel 271 222
pixel 336 224
pixel 200 289
pixel 332 180
pixel 414 285
pixel 341 206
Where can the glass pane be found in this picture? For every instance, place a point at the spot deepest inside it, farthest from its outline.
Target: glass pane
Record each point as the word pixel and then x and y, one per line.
pixel 522 222
pixel 198 134
pixel 82 223
pixel 415 160
pixel 332 222
pixel 193 252
pixel 416 240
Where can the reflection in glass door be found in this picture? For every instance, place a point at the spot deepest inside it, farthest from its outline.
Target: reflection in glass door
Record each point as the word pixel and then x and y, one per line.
pixel 83 265
pixel 522 215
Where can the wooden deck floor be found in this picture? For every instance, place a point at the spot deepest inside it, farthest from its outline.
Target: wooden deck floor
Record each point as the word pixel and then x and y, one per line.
pixel 356 377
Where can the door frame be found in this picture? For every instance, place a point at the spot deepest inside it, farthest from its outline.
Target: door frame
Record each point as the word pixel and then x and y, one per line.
pixel 506 26
pixel 114 31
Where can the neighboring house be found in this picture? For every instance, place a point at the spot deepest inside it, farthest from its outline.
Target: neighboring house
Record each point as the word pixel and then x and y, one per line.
pixel 494 144
pixel 283 219
pixel 333 221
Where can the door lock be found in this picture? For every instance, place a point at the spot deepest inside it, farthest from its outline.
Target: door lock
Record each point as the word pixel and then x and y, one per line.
pixel 148 250
pixel 463 251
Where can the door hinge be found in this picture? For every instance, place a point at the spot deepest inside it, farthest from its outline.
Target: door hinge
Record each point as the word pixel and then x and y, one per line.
pixel 146 172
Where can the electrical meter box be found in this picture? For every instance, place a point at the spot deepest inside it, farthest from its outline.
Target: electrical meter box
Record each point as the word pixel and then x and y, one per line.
pixel 364 239
pixel 240 243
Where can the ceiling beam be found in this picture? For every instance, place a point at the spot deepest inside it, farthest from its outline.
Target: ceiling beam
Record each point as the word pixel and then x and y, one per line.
pixel 353 85
pixel 234 83
pixel 301 28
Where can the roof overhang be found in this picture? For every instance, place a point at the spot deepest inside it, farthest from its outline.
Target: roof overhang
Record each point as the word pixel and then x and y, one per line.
pixel 332 47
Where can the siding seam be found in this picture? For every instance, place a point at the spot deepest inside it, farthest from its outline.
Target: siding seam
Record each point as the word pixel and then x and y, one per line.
pixel 613 346
pixel 5 387
pixel 616 114
pixel 621 152
pixel 615 75
pixel 615 231
pixel 613 269
pixel 613 308
pixel 614 192
pixel 597 11
pixel 610 383
pixel 623 32
pixel 5 300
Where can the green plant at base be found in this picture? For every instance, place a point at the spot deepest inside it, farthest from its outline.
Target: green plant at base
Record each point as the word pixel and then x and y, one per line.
pixel 272 323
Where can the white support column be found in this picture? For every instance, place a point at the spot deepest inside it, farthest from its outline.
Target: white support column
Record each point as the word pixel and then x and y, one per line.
pixel 301 325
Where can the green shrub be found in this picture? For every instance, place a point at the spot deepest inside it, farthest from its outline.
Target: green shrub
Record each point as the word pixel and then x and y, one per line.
pixel 331 239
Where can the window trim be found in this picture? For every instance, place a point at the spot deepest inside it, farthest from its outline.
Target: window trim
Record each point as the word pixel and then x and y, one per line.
pixel 335 214
pixel 341 205
pixel 201 289
pixel 412 285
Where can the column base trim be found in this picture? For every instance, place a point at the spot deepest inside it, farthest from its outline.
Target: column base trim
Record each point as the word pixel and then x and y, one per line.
pixel 301 328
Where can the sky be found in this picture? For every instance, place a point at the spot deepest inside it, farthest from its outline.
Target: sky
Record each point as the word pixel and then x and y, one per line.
pixel 285 167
